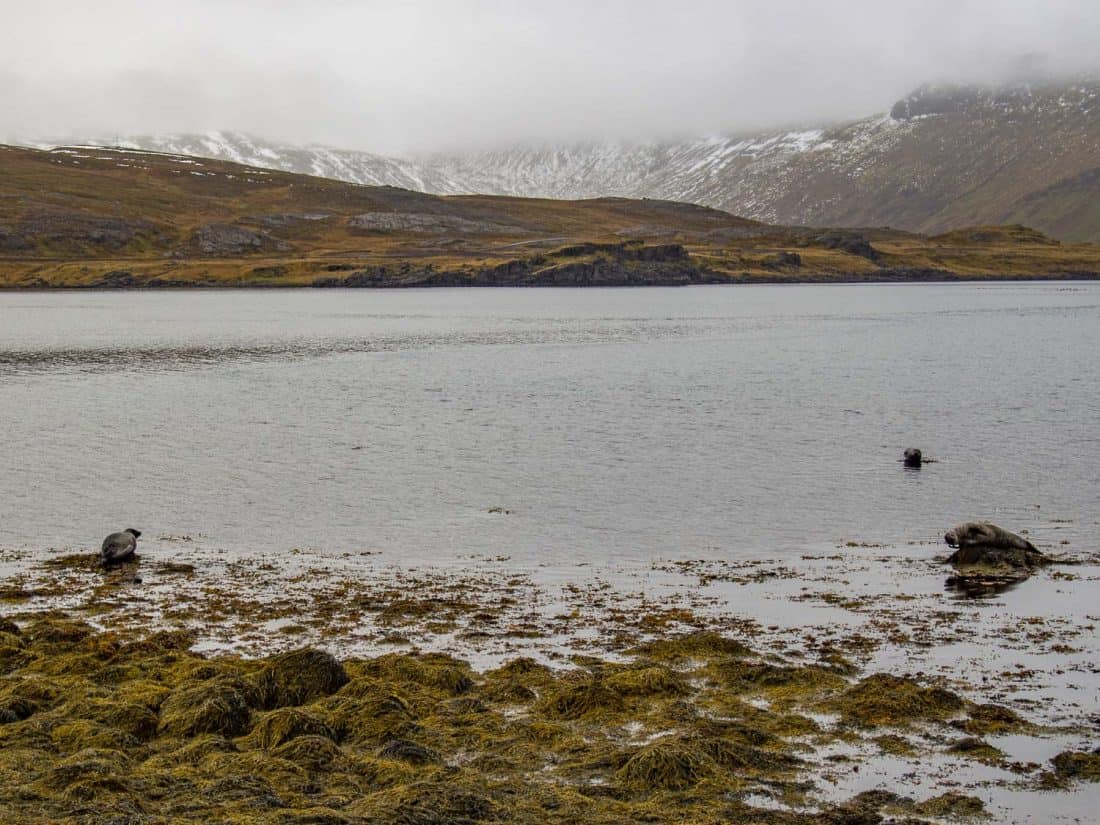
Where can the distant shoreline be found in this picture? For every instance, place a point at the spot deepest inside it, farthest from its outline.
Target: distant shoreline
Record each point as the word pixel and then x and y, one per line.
pixel 156 285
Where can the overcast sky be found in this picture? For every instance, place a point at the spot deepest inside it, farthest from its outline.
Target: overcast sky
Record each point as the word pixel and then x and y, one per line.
pixel 406 75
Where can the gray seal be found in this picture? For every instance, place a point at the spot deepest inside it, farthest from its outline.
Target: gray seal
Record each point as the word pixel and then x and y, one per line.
pixel 980 542
pixel 119 547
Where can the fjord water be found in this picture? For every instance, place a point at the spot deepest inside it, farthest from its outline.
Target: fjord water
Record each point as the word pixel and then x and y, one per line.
pixel 616 426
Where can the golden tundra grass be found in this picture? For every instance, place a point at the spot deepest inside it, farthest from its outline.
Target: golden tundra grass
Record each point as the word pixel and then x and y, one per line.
pixel 53 205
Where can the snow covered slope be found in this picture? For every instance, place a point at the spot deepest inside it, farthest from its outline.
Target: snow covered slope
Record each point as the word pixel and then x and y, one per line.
pixel 945 157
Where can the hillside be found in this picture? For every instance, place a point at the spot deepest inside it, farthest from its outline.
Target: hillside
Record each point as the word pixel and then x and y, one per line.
pixel 123 218
pixel 942 158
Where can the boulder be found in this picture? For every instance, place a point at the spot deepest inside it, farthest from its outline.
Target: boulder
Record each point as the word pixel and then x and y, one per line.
pixel 980 543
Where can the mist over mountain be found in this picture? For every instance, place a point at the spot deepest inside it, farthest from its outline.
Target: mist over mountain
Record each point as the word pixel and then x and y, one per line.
pixel 942 157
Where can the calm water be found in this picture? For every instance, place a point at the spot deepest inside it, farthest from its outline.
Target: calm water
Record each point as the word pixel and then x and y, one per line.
pixel 616 425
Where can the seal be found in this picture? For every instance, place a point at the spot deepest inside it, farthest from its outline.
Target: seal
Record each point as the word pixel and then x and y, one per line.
pixel 912 457
pixel 980 542
pixel 119 547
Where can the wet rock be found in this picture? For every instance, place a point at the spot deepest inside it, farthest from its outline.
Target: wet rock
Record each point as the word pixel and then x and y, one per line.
pixel 981 544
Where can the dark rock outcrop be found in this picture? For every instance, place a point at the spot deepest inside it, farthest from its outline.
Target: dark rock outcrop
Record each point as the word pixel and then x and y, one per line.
pixel 851 242
pixel 606 265
pixel 981 544
pixel 226 239
pixel 932 99
pixel 783 260
pixel 75 230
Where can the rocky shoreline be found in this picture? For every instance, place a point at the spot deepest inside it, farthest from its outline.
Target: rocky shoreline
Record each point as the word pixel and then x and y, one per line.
pixel 126 694
pixel 581 276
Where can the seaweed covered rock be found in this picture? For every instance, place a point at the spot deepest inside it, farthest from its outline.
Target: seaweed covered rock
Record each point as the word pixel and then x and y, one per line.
pixel 426 803
pixel 310 751
pixel 298 677
pixel 404 750
pixel 886 700
pixel 1077 765
pixel 368 711
pixel 434 671
pixel 216 706
pixel 57 631
pixel 654 680
pixel 702 644
pixel 670 763
pixel 742 759
pixel 985 719
pixel 974 748
pixel 984 545
pixel 586 697
pixel 284 724
pixel 951 805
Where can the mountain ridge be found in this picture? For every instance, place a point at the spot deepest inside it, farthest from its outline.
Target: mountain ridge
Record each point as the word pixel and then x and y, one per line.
pixel 944 157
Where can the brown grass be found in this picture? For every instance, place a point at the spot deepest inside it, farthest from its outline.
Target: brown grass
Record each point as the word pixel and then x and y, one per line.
pixel 101 218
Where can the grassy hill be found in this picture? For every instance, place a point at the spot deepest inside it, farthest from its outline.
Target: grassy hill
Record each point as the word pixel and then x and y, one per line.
pixel 78 217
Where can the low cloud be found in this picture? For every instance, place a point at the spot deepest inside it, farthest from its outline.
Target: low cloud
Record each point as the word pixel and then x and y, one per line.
pixel 420 76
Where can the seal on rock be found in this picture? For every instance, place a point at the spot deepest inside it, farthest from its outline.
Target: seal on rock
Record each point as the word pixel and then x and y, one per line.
pixel 979 542
pixel 119 547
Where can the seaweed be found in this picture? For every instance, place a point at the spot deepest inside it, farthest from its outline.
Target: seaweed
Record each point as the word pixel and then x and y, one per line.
pixel 297 677
pixel 284 724
pixel 667 764
pixel 1077 765
pixel 886 700
pixel 215 706
pixel 127 728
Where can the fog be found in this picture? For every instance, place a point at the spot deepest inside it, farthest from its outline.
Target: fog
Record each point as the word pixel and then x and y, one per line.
pixel 423 76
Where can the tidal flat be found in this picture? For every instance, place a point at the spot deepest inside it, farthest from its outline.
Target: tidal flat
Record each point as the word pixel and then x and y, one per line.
pixel 849 685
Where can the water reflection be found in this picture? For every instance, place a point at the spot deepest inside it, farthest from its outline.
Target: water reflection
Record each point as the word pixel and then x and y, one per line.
pixel 976 586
